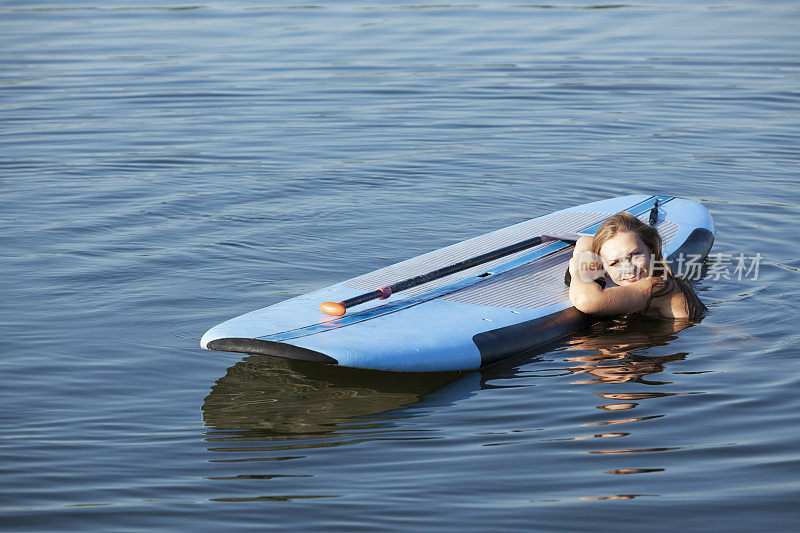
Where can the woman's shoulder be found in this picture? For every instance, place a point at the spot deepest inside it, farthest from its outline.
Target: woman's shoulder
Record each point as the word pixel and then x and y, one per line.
pixel 674 298
pixel 663 286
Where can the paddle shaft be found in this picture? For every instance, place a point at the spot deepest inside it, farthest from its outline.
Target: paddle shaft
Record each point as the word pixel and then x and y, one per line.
pixel 340 308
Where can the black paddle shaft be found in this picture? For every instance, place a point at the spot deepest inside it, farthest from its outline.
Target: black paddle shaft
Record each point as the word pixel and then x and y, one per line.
pixel 444 271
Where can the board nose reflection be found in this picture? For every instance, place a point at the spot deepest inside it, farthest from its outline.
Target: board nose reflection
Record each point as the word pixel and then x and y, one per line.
pixel 268 398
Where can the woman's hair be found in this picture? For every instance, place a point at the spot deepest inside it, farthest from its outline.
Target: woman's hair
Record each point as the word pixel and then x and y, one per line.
pixel 624 222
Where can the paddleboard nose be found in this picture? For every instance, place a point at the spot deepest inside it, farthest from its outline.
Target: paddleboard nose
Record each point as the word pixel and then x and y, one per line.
pixel 207 337
pixel 215 333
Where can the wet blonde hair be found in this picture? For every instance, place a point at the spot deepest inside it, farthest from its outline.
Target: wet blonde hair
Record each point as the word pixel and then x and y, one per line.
pixel 624 222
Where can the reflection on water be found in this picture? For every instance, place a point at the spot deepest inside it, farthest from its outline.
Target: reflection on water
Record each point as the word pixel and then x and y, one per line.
pixel 617 497
pixel 285 412
pixel 270 399
pixel 614 352
pixel 278 413
pixel 266 398
pixel 624 471
pixel 612 356
pixel 621 355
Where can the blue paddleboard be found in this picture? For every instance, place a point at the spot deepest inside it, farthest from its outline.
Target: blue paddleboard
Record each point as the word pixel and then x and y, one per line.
pixel 465 320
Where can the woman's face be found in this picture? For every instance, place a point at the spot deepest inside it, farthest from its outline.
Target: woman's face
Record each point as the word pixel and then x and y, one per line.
pixel 626 258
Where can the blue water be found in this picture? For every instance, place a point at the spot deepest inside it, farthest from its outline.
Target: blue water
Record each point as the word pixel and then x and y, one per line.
pixel 167 166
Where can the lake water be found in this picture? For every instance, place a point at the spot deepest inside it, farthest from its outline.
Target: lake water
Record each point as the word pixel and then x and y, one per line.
pixel 165 166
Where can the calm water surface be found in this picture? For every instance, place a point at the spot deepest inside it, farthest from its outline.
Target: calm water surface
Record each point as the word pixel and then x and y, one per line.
pixel 166 166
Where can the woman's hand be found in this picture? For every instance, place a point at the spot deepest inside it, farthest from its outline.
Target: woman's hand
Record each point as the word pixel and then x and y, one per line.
pixel 574 269
pixel 585 265
pixel 582 244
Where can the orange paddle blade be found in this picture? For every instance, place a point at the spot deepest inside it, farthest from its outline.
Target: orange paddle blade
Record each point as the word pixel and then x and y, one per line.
pixel 332 308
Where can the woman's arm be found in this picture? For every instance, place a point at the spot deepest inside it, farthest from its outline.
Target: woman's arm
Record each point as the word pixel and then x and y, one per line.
pixel 591 299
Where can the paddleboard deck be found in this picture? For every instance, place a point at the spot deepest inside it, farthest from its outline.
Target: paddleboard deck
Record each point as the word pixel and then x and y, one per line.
pixel 466 320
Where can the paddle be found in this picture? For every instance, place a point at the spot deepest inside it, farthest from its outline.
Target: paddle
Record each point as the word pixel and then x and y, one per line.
pixel 340 308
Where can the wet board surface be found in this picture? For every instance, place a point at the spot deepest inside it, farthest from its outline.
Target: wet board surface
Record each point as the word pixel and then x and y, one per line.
pixel 466 320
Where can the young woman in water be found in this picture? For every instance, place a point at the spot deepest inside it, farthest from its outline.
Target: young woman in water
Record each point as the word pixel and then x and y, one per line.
pixel 638 279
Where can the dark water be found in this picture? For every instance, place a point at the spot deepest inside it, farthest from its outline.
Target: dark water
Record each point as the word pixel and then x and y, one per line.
pixel 166 166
